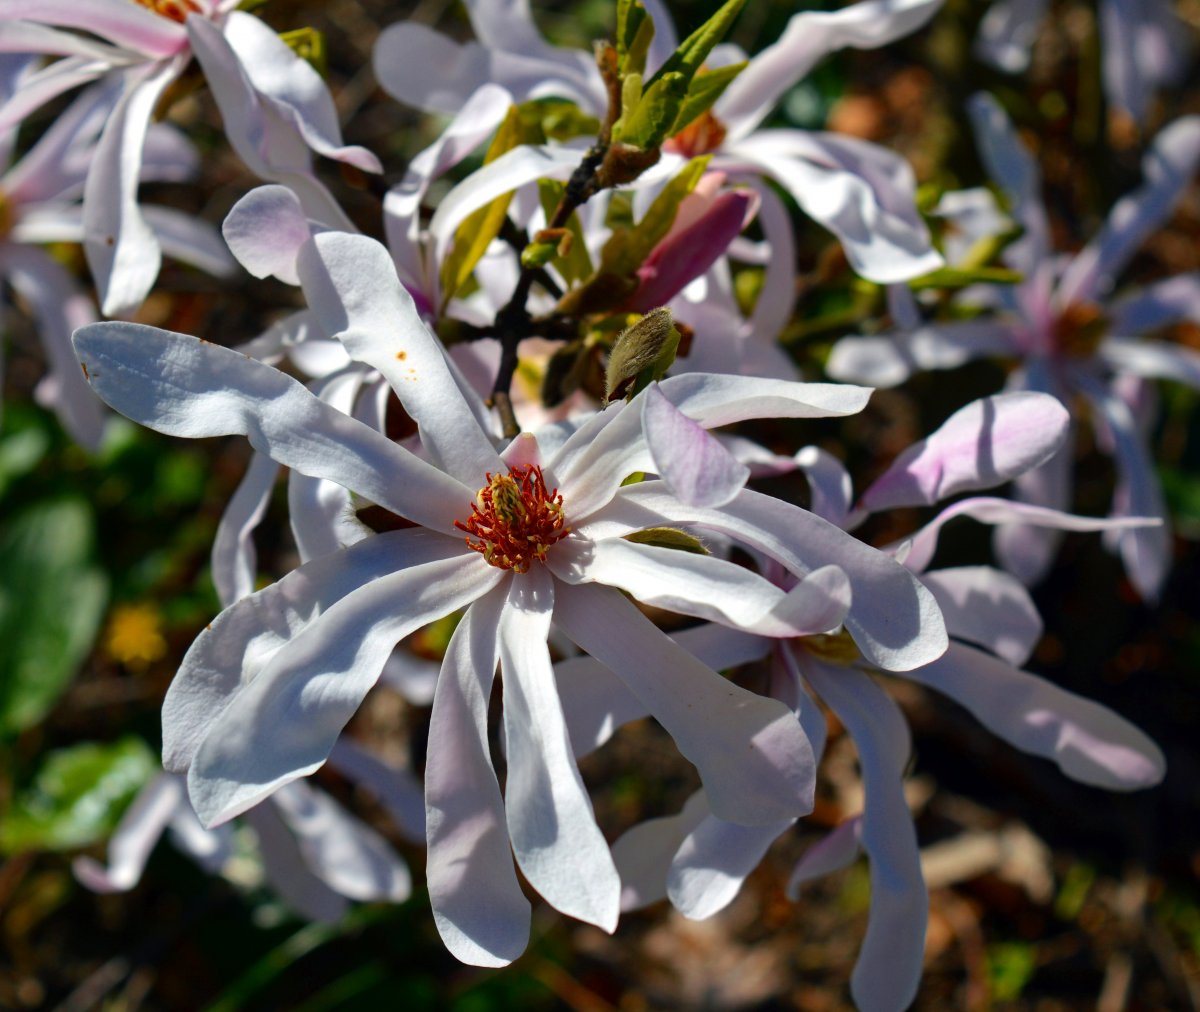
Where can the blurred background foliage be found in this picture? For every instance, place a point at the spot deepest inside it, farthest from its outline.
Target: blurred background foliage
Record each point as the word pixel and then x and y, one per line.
pixel 1044 893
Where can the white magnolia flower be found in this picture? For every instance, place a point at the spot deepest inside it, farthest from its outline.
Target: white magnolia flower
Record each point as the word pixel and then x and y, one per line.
pixel 520 539
pixel 1070 337
pixel 276 110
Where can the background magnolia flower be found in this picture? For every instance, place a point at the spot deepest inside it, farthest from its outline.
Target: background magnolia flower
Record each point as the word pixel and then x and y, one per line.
pixel 274 105
pixel 700 861
pixel 1070 338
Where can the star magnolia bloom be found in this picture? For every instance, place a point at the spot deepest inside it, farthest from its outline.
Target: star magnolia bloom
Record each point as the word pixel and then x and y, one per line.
pixel 39 203
pixel 700 860
pixel 1144 46
pixel 264 692
pixel 1069 342
pixel 275 107
pixel 860 192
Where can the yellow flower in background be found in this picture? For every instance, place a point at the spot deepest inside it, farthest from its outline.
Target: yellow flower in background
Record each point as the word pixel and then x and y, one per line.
pixel 134 637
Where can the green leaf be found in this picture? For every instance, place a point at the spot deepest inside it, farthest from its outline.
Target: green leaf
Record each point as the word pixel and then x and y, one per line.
pixel 78 795
pixel 577 264
pixel 705 89
pixel 648 123
pixel 669 537
pixel 557 119
pixel 694 50
pixel 309 45
pixel 957 277
pixel 478 229
pixel 21 450
pixel 52 599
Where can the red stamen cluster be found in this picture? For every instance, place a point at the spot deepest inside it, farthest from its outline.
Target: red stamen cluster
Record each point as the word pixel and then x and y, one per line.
pixel 514 520
pixel 176 10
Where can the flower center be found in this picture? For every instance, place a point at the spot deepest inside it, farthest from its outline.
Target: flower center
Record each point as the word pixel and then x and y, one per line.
pixel 1079 330
pixel 702 135
pixel 514 520
pixel 833 648
pixel 176 10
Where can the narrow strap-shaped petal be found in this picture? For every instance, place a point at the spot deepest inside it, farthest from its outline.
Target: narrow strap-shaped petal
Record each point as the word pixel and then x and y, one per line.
pixel 889 359
pixel 48 83
pixel 888 968
pixel 1142 310
pixel 340 849
pixel 288 873
pixel 265 230
pixel 1144 46
pixel 989 607
pixel 190 240
pixel 643 854
pixel 478 906
pixel 1167 168
pixel 129 25
pixel 134 838
pixel 282 725
pixel 981 445
pixel 807 38
pixel 1007 32
pixel 596 702
pixel 234 560
pixel 183 386
pixel 753 757
pixel 1153 359
pixel 829 486
pixel 1087 741
pixel 396 788
pixel 894 620
pixel 351 283
pixel 836 850
pixel 122 251
pixel 240 641
pixel 550 820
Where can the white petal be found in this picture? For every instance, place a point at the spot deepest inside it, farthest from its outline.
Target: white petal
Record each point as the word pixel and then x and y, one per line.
pixel 288 873
pixel 889 359
pixel 752 755
pixel 828 484
pixel 988 607
pixel 265 230
pixel 644 853
pixel 134 838
pixel 836 850
pixel 554 834
pixel 395 788
pixel 1087 741
pixel 234 560
pixel 478 906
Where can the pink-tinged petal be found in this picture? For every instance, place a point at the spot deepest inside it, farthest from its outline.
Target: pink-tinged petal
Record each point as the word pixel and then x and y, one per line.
pixel 27 38
pixel 829 484
pixel 190 240
pixel 513 169
pixel 234 560
pixel 265 230
pixel 351 283
pixel 979 446
pixel 888 360
pixel 596 702
pixel 1012 166
pixel 294 88
pixel 644 853
pixel 478 906
pixel 753 757
pixel 288 873
pixel 888 968
pixel 46 84
pixel 807 38
pixel 686 254
pixel 862 193
pixel 1145 46
pixel 1168 168
pixel 988 607
pixel 396 789
pixel 125 24
pixel 836 850
pixel 1146 551
pixel 282 724
pixel 1157 305
pixel 1152 359
pixel 1007 32
pixel 1088 742
pixel 122 252
pixel 550 820
pixel 59 306
pixel 893 619
pixel 777 296
pixel 1004 513
pixel 134 838
pixel 240 641
pixel 592 463
pixel 713 861
pixel 423 68
pixel 340 849
pixel 693 464
pixel 183 386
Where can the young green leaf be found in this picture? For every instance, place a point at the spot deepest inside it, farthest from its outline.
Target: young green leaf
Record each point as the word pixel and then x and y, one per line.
pixel 706 87
pixel 694 50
